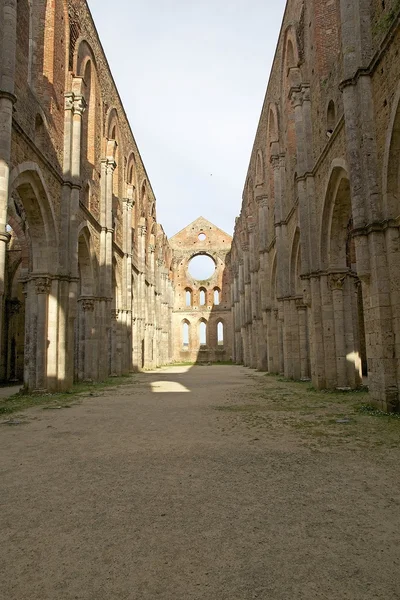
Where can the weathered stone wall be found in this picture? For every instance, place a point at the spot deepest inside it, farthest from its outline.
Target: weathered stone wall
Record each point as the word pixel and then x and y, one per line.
pixel 315 290
pixel 87 268
pixel 216 308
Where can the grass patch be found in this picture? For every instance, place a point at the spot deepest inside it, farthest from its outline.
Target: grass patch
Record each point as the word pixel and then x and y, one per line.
pixel 21 401
pixel 317 417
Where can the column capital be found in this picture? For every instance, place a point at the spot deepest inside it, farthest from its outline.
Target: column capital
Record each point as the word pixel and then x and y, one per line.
pixel 262 200
pixel 296 97
pixel 69 101
pixel 129 204
pixel 9 96
pixel 42 285
pixel 336 281
pixel 87 304
pixel 5 237
pixel 79 105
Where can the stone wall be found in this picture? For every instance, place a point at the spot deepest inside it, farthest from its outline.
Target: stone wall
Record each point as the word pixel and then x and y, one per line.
pixel 85 285
pixel 201 304
pixel 316 287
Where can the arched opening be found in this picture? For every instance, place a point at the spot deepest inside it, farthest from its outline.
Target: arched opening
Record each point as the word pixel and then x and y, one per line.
pixel 217 295
pixel 12 369
pixel 202 296
pixel 86 195
pixel 203 333
pixel 40 133
pixel 290 60
pixel 338 254
pixel 220 333
pixel 185 335
pixel 89 116
pixel 188 297
pixel 259 169
pixel 330 118
pixel 32 221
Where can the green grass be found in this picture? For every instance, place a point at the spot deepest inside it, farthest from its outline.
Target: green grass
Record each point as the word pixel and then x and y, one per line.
pixel 21 401
pixel 317 417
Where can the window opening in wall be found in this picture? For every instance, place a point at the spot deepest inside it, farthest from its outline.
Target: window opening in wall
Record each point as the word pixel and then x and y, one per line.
pixel 202 297
pixel 188 297
pixel 201 267
pixel 86 197
pixel 39 132
pixel 202 237
pixel 331 119
pixel 185 335
pixel 216 296
pixel 203 334
pixel 220 334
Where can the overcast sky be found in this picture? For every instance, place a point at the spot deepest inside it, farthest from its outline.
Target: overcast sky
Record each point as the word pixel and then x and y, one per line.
pixel 192 77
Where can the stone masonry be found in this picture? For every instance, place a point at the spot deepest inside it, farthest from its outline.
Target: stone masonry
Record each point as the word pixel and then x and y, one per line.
pixel 85 287
pixel 315 256
pixel 201 304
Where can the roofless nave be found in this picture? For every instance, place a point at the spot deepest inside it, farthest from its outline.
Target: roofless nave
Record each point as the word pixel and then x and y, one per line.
pixel 89 281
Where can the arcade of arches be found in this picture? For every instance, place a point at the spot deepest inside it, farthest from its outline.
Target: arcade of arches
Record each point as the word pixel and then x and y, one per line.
pixel 309 286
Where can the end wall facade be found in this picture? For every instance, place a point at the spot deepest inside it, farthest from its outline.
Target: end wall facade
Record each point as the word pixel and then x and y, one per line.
pixel 201 319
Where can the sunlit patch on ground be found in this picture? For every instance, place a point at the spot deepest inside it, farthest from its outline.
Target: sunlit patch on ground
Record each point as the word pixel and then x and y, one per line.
pixel 167 386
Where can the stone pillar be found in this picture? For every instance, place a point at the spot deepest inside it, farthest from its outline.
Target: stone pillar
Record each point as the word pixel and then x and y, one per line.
pixel 88 305
pixel 42 288
pixel 303 340
pixel 336 283
pixel 8 15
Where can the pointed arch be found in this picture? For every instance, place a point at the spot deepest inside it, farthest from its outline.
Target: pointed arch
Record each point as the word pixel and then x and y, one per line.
pixel 203 333
pixel 185 326
pixel 294 283
pixel 335 217
pixel 259 168
pixel 28 182
pixel 85 262
pixel 391 163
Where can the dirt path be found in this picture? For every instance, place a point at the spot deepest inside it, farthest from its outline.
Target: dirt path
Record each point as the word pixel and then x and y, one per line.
pixel 197 484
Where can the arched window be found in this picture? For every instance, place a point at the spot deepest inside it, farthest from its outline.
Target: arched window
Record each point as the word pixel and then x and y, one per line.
pixel 185 335
pixel 220 333
pixel 188 297
pixel 259 169
pixel 216 296
pixel 202 297
pixel 330 118
pixel 86 197
pixel 203 333
pixel 39 132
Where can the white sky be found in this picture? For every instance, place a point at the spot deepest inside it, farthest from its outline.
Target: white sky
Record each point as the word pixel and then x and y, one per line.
pixel 192 77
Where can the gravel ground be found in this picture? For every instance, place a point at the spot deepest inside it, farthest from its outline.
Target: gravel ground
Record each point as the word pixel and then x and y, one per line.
pixel 185 484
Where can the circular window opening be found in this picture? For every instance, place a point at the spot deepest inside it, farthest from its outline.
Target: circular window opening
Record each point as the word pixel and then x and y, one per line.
pixel 201 267
pixel 202 237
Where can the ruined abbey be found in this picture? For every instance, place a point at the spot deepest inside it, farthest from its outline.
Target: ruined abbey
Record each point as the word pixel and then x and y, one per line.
pixel 309 286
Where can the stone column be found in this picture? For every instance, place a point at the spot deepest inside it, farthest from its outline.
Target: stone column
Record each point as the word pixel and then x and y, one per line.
pixel 42 288
pixel 88 305
pixel 336 284
pixel 303 340
pixel 8 16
